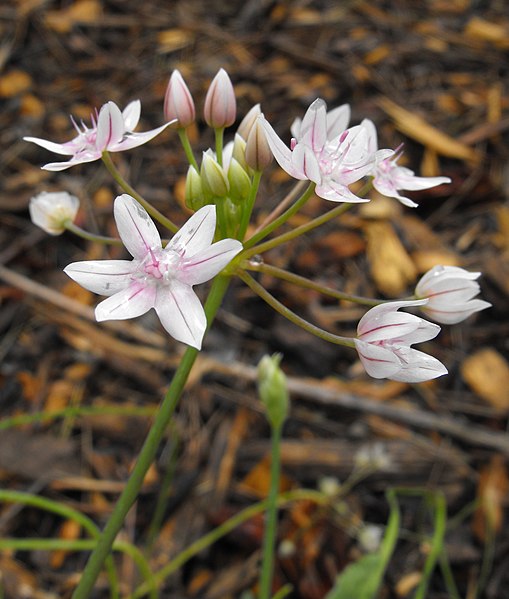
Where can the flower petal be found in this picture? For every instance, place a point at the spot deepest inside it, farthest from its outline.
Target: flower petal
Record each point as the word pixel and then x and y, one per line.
pixel 80 159
pixel 181 313
pixel 282 153
pixel 404 178
pixel 104 277
pixel 456 313
pixel 336 192
pixel 131 302
pixel 418 367
pixel 305 162
pixel 63 149
pixel 313 129
pixel 110 126
pixel 133 140
pixel 196 234
pixel 136 228
pixel 379 362
pixel 206 264
pixel 379 312
pixel 131 115
pixel 337 120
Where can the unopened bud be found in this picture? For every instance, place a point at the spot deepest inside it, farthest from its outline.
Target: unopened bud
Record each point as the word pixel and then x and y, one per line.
pixel 258 152
pixel 239 151
pixel 52 210
pixel 213 177
pixel 178 102
pixel 194 190
pixel 220 105
pixel 248 121
pixel 273 390
pixel 240 183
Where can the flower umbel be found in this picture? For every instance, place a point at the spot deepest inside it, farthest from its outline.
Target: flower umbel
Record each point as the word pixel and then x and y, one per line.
pixel 111 131
pixel 384 339
pixel 450 291
pixel 52 210
pixel 159 278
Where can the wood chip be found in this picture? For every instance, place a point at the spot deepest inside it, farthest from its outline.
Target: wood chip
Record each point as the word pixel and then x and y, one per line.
pixel 487 373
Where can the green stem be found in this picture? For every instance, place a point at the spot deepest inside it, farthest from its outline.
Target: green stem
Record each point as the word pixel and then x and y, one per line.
pixel 184 140
pixel 68 513
pixel 70 226
pixel 222 530
pixel 269 539
pixel 450 584
pixel 247 209
pixel 283 204
pixel 219 133
pixel 283 592
pixel 31 544
pixel 307 284
pixel 291 316
pixel 148 451
pixel 312 224
pixel 154 212
pixel 281 219
pixel 297 232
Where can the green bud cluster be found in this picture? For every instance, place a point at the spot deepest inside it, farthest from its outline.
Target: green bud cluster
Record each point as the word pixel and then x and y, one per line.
pixel 273 390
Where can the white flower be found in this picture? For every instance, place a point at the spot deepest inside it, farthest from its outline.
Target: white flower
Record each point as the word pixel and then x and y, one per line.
pixel 384 339
pixel 159 278
pixel 52 210
pixel 112 132
pixel 449 290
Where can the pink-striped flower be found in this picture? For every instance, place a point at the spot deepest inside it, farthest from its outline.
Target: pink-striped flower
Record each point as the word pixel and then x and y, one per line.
pixel 450 292
pixel 111 131
pixel 157 277
pixel 384 339
pixel 389 177
pixel 322 154
pixel 220 107
pixel 178 102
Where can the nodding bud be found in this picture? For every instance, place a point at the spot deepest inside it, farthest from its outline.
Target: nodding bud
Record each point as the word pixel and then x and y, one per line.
pixel 248 121
pixel 194 190
pixel 213 177
pixel 258 152
pixel 52 211
pixel 273 389
pixel 220 105
pixel 178 102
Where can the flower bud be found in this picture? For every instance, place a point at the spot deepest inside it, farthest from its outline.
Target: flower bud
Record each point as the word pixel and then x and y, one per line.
pixel 239 151
pixel 258 152
pixel 240 183
pixel 450 291
pixel 194 190
pixel 220 105
pixel 213 177
pixel 52 210
pixel 178 102
pixel 248 121
pixel 273 390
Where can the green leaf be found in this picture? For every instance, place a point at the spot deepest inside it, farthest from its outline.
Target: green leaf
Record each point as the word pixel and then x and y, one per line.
pixel 360 579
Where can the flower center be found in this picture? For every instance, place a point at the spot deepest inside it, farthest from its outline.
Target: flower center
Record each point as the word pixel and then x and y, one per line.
pixel 161 266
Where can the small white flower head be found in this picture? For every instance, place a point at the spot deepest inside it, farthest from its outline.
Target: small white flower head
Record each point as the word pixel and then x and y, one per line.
pixel 52 210
pixel 384 337
pixel 220 107
pixel 111 131
pixel 373 456
pixel 157 277
pixel 450 291
pixel 370 537
pixel 178 102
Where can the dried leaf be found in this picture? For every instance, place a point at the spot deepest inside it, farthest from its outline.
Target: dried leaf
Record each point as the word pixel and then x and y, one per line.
pixel 14 83
pixel 69 530
pixel 417 128
pixel 391 266
pixel 487 373
pixel 492 492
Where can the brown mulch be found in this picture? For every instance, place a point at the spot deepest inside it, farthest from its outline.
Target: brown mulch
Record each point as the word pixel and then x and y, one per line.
pixel 433 75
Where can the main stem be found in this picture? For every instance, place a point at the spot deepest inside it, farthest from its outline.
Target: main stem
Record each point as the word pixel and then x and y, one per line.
pixel 148 451
pixel 269 538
